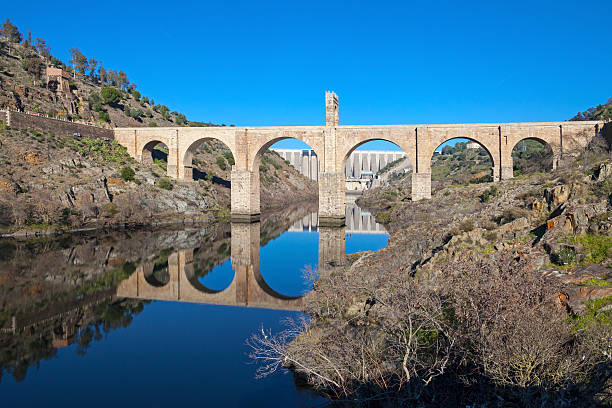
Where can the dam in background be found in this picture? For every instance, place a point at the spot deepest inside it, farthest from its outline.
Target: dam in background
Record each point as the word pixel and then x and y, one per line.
pixel 360 170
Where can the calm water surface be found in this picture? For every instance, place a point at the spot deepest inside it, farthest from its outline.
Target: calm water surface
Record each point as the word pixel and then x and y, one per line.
pixel 161 318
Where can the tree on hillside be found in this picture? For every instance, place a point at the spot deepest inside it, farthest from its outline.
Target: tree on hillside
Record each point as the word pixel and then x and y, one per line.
pixel 102 74
pixel 10 32
pixel 110 95
pixel 34 66
pixel 93 64
pixel 596 113
pixel 42 48
pixel 78 60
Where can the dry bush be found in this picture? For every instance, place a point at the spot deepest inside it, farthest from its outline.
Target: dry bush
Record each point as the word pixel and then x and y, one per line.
pixel 489 331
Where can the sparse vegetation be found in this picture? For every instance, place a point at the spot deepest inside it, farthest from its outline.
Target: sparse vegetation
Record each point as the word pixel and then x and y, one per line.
pixel 164 183
pixel 127 173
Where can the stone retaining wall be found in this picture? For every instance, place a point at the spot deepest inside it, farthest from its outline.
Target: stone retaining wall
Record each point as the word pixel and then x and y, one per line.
pixel 20 120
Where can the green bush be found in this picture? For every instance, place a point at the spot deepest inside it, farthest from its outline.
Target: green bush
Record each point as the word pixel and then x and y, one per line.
pixel 229 157
pixel 221 163
pixel 135 94
pixel 128 173
pixel 597 247
pixel 103 116
pixel 110 95
pixel 164 183
pixel 488 194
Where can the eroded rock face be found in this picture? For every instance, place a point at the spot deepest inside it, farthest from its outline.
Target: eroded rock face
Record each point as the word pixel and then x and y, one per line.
pixel 557 195
pixel 604 171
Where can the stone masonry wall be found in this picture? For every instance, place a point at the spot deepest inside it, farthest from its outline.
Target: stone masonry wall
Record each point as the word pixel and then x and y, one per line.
pixel 20 120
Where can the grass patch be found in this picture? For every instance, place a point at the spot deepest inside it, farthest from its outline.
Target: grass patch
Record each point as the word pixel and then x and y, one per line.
pixel 596 247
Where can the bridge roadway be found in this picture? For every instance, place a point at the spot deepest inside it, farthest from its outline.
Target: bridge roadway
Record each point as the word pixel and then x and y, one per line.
pixel 333 145
pixel 248 288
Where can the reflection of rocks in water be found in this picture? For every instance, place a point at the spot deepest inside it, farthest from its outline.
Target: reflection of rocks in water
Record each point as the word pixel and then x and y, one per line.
pixel 30 339
pixel 59 291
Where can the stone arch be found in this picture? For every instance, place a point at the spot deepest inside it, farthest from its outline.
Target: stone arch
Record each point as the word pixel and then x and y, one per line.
pixel 249 180
pixel 386 161
pixel 554 149
pixel 490 150
pixel 265 146
pixel 148 153
pixel 185 170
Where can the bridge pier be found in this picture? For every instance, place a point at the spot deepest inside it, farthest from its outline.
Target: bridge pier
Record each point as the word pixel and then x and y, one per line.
pixel 332 199
pixel 245 205
pixel 421 186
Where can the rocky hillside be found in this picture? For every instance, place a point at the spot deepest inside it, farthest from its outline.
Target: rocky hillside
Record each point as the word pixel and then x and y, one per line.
pixel 53 183
pixel 487 295
pixel 88 98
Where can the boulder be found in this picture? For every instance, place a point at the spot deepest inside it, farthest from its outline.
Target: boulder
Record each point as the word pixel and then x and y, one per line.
pixel 557 195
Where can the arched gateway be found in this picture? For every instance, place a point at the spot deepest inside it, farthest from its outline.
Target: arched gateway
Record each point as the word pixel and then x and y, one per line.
pixel 334 143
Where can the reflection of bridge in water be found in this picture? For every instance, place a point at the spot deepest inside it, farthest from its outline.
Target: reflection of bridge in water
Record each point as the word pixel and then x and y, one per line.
pixel 357 221
pixel 248 287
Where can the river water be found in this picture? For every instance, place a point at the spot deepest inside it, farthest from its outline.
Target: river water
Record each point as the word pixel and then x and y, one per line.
pixel 161 318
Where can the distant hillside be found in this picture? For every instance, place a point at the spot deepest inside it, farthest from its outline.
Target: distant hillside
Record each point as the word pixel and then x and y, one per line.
pixel 88 92
pixel 600 112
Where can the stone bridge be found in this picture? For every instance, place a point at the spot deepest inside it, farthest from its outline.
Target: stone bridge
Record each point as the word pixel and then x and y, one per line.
pixel 248 287
pixel 333 145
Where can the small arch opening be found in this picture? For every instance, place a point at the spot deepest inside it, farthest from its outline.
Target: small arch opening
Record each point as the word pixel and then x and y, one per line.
pixel 460 161
pixel 531 155
pixel 209 160
pixel 155 153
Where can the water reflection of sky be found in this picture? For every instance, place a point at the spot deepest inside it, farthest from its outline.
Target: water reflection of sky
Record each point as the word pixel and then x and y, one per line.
pixel 219 278
pixel 176 354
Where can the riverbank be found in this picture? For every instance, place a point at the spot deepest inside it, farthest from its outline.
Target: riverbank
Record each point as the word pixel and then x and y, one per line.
pixel 52 184
pixel 488 294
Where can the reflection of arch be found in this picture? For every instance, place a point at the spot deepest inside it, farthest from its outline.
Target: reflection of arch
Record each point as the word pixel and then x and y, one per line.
pixel 152 278
pixel 187 160
pixel 148 153
pixel 247 289
pixel 195 282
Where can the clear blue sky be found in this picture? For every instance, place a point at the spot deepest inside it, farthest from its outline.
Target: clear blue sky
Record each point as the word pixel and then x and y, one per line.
pixel 270 62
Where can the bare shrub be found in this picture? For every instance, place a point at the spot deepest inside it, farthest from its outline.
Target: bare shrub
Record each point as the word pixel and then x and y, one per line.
pixel 489 329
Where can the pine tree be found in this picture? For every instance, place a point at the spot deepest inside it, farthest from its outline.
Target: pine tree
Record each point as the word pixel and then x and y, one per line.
pixel 10 32
pixel 92 67
pixel 42 48
pixel 78 60
pixel 102 74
